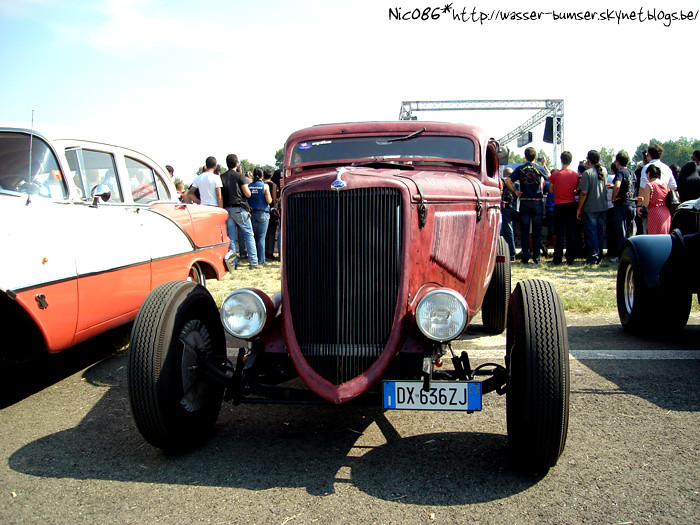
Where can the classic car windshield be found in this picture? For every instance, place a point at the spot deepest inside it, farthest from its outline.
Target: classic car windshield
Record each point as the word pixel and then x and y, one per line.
pixel 39 175
pixel 394 147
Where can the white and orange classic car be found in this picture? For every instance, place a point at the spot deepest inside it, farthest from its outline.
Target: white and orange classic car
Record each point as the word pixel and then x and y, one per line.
pixel 87 230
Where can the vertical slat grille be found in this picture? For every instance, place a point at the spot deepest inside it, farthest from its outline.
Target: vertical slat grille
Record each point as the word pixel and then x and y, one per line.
pixel 343 266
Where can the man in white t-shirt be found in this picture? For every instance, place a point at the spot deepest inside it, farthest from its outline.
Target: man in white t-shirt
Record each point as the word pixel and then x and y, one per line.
pixel 209 185
pixel 654 151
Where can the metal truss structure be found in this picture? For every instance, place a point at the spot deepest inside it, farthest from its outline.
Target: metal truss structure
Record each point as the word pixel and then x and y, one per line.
pixel 545 108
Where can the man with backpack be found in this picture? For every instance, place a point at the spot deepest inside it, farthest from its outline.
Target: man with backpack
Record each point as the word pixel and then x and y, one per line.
pixel 531 177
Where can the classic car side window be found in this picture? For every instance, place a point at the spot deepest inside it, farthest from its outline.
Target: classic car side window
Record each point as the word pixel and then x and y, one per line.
pixel 42 176
pixel 146 185
pixel 90 168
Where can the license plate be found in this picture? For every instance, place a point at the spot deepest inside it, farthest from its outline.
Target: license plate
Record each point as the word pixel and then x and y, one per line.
pixel 443 395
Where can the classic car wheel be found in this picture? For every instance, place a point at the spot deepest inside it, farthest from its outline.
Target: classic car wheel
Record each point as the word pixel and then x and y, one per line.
pixel 642 309
pixel 494 310
pixel 633 298
pixel 196 275
pixel 177 326
pixel 537 359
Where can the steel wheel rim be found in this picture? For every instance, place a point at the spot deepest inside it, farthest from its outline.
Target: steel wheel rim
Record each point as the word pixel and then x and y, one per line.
pixel 629 288
pixel 195 274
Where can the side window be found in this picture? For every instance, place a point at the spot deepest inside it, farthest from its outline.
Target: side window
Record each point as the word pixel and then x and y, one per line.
pixel 90 168
pixel 146 185
pixel 163 193
pixel 73 156
pixel 491 162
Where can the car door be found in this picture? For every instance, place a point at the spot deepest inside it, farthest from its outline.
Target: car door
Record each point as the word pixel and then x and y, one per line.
pixel 112 253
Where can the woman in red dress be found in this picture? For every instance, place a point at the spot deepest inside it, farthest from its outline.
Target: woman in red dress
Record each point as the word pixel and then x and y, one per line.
pixel 654 197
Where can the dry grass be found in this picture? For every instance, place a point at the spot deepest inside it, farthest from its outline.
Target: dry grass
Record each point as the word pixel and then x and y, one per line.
pixel 583 289
pixel 267 279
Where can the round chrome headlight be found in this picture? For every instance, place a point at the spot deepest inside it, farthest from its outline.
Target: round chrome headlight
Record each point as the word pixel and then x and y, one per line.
pixel 243 314
pixel 442 315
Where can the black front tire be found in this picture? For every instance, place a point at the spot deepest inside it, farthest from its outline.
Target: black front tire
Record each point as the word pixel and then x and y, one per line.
pixel 537 359
pixel 494 310
pixel 176 329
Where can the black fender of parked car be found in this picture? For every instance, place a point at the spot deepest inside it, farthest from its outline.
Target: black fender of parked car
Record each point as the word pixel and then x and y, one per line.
pixel 656 278
pixel 652 252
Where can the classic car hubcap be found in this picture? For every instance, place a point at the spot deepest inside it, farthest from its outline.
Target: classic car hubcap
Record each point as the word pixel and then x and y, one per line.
pixel 629 288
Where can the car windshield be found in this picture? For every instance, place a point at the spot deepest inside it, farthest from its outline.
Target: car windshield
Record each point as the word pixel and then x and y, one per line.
pixel 37 174
pixel 388 148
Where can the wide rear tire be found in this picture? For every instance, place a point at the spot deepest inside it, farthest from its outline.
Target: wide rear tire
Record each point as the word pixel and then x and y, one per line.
pixel 494 310
pixel 537 359
pixel 177 328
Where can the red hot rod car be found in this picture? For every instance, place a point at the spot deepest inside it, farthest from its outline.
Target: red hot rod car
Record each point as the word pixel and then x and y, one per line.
pixel 390 248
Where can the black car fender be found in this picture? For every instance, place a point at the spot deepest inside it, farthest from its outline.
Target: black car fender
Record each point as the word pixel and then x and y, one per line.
pixel 653 253
pixel 668 260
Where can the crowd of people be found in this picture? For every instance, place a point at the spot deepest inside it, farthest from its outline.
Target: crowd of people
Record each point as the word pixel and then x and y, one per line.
pixel 580 208
pixel 252 202
pixel 585 207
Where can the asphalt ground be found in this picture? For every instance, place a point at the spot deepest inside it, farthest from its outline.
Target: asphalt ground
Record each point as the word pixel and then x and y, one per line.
pixel 71 453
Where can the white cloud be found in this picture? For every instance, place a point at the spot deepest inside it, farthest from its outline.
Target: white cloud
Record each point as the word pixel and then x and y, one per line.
pixel 139 27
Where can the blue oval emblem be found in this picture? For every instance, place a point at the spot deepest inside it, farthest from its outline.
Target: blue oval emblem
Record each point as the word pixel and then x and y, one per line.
pixel 338 184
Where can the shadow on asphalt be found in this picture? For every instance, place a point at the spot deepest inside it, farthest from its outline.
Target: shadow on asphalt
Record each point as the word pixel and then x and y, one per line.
pixel 260 447
pixel 672 385
pixel 313 447
pixel 613 337
pixel 24 380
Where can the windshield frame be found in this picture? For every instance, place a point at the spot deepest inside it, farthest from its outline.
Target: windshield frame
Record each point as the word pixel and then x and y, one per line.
pixel 394 140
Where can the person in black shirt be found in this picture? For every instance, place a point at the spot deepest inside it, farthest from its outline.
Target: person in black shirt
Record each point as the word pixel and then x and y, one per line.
pixel 531 177
pixel 624 203
pixel 689 179
pixel 271 234
pixel 235 193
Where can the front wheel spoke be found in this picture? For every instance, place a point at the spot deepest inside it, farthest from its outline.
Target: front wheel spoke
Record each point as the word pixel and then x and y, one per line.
pixel 186 346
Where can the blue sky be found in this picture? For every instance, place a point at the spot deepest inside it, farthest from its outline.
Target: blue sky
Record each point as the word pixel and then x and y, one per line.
pixel 183 80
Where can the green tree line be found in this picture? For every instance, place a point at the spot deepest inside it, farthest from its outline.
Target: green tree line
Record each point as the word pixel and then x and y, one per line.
pixel 675 152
